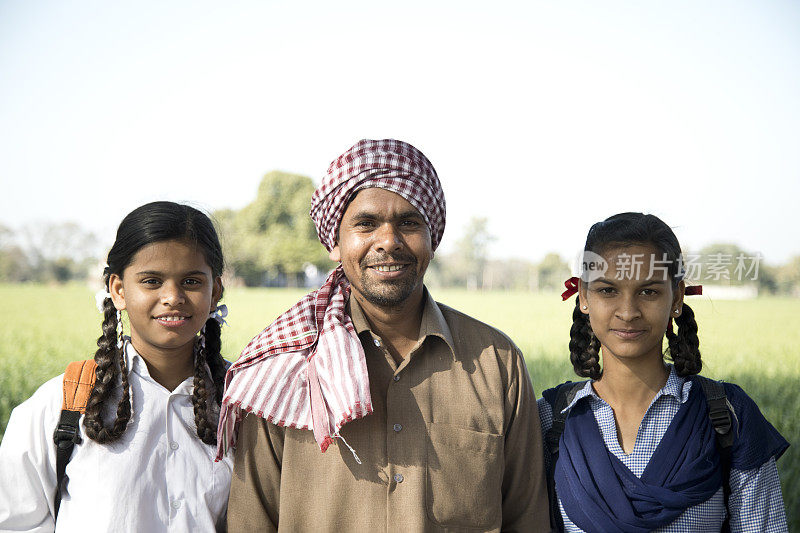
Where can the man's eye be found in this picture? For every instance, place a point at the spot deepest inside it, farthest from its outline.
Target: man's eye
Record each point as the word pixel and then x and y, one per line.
pixel 649 292
pixel 410 223
pixel 606 290
pixel 192 281
pixel 151 281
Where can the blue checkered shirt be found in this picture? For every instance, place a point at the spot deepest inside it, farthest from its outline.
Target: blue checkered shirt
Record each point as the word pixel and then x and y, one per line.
pixel 755 502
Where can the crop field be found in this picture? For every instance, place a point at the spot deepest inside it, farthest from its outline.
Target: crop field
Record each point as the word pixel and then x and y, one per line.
pixel 754 343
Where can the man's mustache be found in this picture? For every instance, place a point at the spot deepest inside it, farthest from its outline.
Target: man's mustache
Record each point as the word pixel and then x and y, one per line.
pixel 388 258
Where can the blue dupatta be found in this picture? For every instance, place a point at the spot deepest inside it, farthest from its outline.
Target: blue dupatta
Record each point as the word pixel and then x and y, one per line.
pixel 600 493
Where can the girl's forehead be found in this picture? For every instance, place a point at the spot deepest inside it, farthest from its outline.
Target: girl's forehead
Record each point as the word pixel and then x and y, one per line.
pixel 172 254
pixel 637 262
pixel 621 253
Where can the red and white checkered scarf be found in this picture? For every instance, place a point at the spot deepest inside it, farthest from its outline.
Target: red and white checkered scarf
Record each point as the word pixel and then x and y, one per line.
pixel 307 369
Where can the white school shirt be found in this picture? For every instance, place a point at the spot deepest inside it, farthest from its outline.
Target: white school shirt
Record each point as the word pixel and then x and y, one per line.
pixel 159 476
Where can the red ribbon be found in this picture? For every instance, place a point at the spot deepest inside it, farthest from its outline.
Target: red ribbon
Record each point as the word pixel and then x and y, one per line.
pixel 694 290
pixel 572 287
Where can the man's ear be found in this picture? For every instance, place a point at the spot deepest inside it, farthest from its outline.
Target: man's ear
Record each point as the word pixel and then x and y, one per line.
pixel 117 291
pixel 335 254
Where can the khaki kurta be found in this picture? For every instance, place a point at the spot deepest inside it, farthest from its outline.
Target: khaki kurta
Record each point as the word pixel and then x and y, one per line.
pixel 454 443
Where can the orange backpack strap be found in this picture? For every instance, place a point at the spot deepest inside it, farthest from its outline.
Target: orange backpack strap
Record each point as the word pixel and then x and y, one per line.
pixel 78 384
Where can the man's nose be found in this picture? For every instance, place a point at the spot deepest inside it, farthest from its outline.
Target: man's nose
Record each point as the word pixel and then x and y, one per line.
pixel 388 238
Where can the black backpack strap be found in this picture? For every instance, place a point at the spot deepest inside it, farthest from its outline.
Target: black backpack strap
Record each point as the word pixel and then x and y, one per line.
pixel 79 378
pixel 720 414
pixel 65 436
pixel 565 393
pixel 718 410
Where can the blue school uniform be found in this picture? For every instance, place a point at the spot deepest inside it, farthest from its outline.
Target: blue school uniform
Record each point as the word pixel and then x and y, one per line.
pixel 600 488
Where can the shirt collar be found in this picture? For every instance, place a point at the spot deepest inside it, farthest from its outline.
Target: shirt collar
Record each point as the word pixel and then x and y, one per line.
pixel 676 386
pixel 360 322
pixel 433 323
pixel 137 365
pixel 585 391
pixel 134 361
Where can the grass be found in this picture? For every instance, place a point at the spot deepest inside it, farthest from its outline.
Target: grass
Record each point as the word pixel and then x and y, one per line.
pixel 753 343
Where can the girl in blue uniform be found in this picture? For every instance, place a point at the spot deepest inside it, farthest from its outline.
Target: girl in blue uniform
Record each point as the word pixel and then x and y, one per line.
pixel 638 451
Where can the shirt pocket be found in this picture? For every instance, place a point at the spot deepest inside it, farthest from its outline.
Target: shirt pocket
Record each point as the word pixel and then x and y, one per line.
pixel 464 477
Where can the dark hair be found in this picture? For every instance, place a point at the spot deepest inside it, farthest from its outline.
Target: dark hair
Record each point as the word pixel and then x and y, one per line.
pixel 627 229
pixel 148 224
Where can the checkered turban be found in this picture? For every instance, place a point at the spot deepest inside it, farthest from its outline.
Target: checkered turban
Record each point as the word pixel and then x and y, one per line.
pixel 388 164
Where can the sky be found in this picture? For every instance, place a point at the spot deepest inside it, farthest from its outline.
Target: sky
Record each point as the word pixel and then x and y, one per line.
pixel 544 117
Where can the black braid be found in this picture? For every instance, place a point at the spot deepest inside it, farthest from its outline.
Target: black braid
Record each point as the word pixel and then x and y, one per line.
pixel 214 356
pixel 110 364
pixel 584 347
pixel 684 347
pixel 206 429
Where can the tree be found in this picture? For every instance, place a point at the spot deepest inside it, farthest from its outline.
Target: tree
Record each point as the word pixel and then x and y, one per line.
pixel 52 241
pixel 787 277
pixel 471 255
pixel 509 274
pixel 14 266
pixel 273 239
pixel 46 251
pixel 551 272
pixel 723 263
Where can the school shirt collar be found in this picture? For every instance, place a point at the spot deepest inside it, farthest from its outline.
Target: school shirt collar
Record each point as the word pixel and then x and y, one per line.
pixel 136 365
pixel 433 323
pixel 676 386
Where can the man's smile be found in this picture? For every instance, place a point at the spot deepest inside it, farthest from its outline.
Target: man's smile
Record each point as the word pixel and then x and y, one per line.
pixel 389 271
pixel 387 268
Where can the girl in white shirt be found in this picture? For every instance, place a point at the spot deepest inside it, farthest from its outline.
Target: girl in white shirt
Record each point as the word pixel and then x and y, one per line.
pixel 148 438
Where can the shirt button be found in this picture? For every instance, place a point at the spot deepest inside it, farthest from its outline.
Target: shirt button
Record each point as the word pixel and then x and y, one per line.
pixel 176 504
pixel 396 378
pixel 377 342
pixel 397 427
pixel 398 478
pixel 174 445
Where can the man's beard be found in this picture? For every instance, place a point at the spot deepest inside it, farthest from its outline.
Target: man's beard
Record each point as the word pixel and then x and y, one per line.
pixel 390 293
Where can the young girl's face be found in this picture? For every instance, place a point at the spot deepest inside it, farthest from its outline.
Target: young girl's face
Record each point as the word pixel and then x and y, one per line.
pixel 630 305
pixel 168 291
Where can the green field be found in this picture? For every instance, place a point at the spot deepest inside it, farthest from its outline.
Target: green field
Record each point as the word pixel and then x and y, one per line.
pixel 753 343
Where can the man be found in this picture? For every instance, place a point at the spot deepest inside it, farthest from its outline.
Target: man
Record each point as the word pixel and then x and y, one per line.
pixel 432 412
